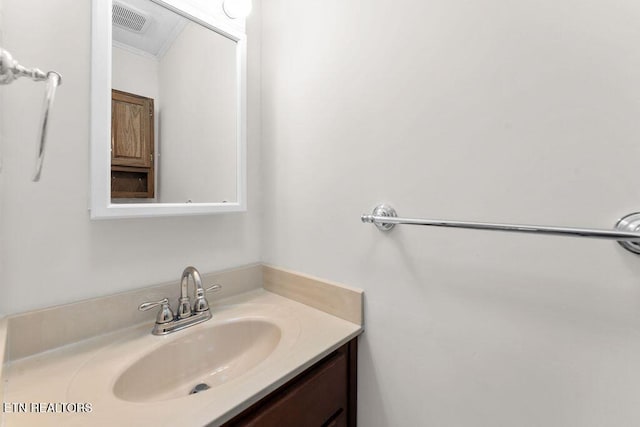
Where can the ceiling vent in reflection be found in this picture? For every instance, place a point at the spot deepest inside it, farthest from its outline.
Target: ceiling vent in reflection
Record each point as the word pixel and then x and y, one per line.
pixel 129 18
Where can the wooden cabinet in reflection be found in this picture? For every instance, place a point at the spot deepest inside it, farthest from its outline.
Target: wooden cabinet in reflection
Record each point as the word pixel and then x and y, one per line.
pixel 132 146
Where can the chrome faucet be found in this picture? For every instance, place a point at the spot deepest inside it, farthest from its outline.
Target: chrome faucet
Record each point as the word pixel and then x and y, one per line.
pixel 187 315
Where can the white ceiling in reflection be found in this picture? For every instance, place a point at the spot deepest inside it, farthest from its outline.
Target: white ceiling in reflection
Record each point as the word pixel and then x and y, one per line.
pixel 158 34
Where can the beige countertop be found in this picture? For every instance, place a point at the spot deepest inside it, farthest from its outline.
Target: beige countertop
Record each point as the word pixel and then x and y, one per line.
pixel 86 371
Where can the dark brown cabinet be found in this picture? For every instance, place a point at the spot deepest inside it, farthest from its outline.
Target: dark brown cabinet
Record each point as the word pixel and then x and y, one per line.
pixel 324 395
pixel 132 146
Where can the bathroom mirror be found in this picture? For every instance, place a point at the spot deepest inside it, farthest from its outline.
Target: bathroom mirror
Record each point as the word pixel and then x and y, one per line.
pixel 168 109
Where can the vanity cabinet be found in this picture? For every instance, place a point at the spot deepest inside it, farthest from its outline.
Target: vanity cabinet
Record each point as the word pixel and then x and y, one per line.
pixel 322 396
pixel 132 146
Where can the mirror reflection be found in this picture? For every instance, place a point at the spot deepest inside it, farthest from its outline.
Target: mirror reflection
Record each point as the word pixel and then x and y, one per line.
pixel 174 121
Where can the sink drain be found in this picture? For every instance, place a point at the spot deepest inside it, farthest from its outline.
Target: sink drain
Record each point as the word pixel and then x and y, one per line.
pixel 200 387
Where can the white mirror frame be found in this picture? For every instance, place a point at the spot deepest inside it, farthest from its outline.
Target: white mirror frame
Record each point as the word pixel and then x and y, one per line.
pixel 101 205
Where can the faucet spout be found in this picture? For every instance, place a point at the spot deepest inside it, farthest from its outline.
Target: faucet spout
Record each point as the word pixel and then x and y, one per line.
pixel 187 315
pixel 184 304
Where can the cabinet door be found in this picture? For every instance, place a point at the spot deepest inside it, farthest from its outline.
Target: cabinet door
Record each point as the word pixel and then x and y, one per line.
pixel 131 130
pixel 322 396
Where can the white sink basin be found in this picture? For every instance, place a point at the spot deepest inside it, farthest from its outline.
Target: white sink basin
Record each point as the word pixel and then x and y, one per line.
pixel 210 356
pixel 138 372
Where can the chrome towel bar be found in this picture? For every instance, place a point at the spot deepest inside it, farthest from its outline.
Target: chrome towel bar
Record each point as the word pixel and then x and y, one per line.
pixel 10 70
pixel 625 231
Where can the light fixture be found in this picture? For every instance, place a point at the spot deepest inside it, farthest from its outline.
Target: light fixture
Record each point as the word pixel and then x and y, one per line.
pixel 237 8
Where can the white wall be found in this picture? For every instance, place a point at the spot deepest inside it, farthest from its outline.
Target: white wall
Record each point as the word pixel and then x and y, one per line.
pixel 135 73
pixel 485 110
pixel 3 285
pixel 198 143
pixel 3 107
pixel 52 252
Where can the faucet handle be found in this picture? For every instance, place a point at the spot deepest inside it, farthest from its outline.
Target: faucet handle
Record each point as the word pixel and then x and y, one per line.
pixel 165 314
pixel 214 288
pixel 201 304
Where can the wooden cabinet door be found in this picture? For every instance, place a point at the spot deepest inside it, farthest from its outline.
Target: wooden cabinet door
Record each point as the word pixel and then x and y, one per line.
pixel 131 130
pixel 323 396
